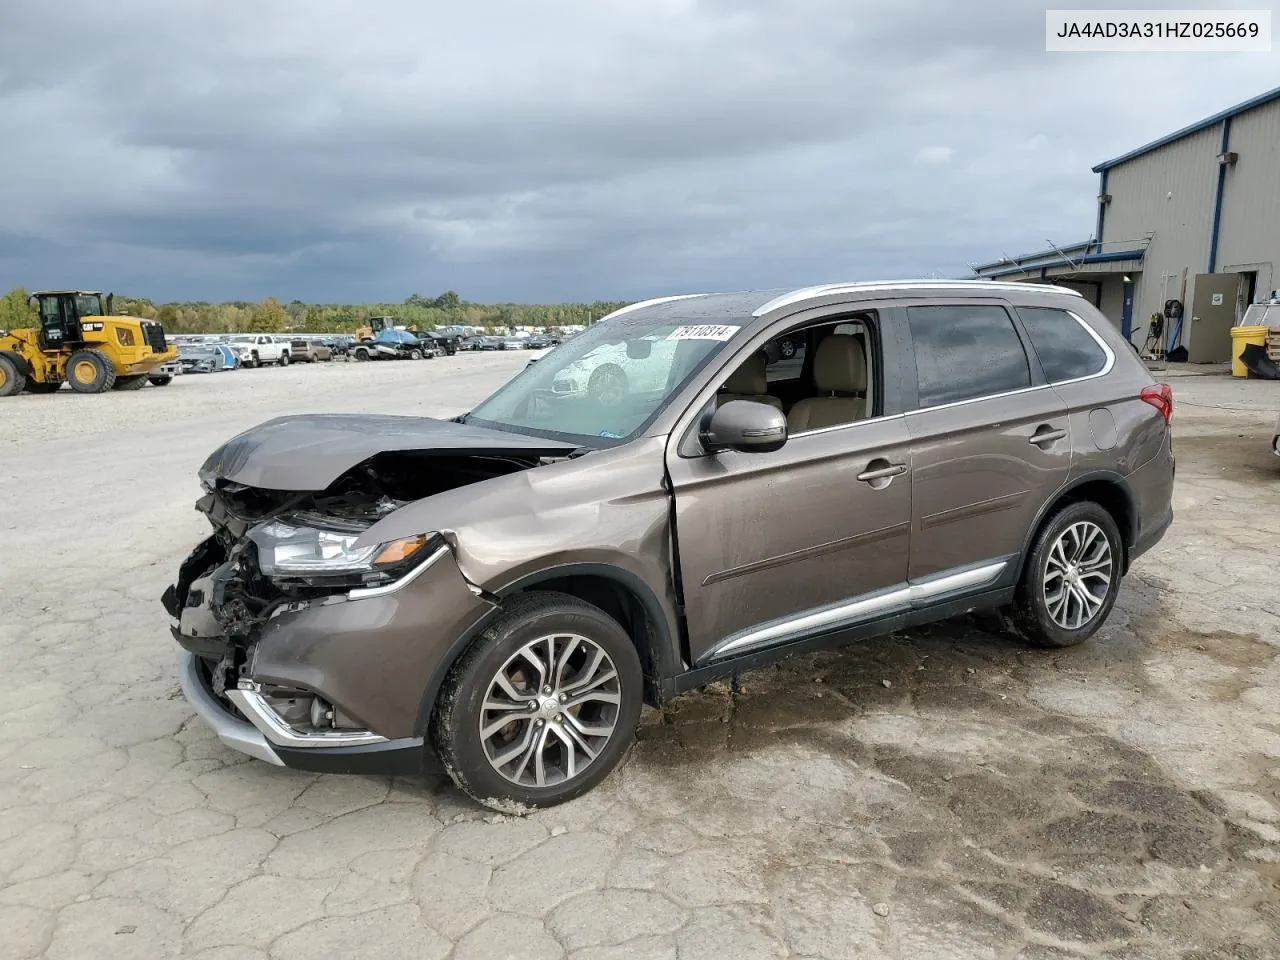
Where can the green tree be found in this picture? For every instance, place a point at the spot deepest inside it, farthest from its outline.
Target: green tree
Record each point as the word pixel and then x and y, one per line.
pixel 15 313
pixel 268 317
pixel 446 301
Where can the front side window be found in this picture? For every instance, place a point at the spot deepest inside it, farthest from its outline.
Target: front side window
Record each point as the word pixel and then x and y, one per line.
pixel 1065 349
pixel 606 384
pixel 964 352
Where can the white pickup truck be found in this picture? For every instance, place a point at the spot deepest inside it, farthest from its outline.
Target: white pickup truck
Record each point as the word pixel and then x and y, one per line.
pixel 255 349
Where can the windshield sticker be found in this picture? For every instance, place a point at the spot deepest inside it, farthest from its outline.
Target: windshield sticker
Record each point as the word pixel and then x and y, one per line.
pixel 610 436
pixel 706 331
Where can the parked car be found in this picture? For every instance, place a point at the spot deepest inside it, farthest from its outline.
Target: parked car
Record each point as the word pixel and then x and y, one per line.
pixel 197 358
pixel 945 447
pixel 489 343
pixel 257 349
pixel 340 345
pixel 309 351
pixel 392 344
pixel 537 342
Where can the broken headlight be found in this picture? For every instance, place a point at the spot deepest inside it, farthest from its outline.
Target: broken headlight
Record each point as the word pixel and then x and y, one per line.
pixel 293 546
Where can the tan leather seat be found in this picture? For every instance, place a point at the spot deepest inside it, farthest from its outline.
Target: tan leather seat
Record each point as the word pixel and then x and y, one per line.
pixel 749 382
pixel 839 367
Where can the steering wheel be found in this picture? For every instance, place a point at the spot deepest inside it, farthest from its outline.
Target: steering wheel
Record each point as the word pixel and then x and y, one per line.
pixel 608 385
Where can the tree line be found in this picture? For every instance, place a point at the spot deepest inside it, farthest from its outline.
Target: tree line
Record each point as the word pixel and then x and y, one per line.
pixel 272 316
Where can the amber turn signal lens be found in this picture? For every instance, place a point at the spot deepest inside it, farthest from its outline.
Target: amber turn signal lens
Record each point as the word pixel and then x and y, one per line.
pixel 398 550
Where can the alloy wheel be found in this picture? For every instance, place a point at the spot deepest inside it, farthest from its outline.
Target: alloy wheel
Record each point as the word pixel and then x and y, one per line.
pixel 549 711
pixel 1077 575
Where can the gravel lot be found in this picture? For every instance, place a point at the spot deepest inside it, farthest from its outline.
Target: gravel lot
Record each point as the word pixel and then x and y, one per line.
pixel 938 794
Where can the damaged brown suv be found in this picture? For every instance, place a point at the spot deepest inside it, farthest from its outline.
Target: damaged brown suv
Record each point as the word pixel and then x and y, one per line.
pixel 692 487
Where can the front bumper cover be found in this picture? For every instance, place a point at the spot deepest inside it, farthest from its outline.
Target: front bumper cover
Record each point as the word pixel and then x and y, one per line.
pixel 370 754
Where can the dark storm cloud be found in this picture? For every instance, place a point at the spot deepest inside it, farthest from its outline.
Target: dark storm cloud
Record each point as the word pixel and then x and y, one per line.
pixel 360 149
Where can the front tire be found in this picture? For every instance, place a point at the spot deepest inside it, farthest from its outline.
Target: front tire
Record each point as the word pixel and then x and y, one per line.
pixel 541 707
pixel 89 371
pixel 415 354
pixel 12 380
pixel 1071 579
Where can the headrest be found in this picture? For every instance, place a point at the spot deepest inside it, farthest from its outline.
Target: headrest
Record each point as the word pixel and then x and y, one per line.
pixel 840 365
pixel 749 379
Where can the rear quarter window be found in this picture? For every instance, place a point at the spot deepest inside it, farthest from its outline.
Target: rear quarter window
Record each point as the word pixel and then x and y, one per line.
pixel 1066 350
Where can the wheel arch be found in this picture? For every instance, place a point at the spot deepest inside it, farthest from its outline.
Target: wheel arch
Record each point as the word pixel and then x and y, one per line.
pixel 622 596
pixel 18 360
pixel 1109 490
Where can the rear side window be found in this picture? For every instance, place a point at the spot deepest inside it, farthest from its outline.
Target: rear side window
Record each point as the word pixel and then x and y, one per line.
pixel 964 352
pixel 1066 350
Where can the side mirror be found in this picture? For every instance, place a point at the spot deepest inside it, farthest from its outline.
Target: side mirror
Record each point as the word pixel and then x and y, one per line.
pixel 746 426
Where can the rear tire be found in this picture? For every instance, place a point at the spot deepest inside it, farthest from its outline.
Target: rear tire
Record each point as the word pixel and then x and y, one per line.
pixel 585 692
pixel 161 381
pixel 284 359
pixel 12 381
pixel 362 354
pixel 89 371
pixel 1071 579
pixel 131 383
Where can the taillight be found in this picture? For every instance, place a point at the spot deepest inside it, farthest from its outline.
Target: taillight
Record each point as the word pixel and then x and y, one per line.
pixel 1160 396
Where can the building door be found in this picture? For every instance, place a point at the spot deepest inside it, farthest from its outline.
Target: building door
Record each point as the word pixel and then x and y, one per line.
pixel 1213 314
pixel 1126 310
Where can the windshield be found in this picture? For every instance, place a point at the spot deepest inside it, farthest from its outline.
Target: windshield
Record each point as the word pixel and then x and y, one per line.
pixel 89 305
pixel 606 384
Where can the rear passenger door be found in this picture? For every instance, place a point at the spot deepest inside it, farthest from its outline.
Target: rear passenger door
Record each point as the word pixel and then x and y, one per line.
pixel 989 442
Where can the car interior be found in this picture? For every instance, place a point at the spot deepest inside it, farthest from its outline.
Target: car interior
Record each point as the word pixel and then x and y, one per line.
pixel 819 376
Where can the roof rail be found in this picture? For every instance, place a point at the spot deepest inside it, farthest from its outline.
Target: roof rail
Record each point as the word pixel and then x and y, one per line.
pixel 810 293
pixel 648 303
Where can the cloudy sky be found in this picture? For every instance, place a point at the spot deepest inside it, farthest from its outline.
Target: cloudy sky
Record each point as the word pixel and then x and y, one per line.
pixel 356 150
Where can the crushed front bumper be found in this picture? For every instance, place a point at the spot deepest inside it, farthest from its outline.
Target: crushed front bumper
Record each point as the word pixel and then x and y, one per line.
pixel 231 730
pixel 375 656
pixel 268 738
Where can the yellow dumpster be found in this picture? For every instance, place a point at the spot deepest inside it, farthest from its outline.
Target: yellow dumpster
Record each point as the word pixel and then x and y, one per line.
pixel 1241 337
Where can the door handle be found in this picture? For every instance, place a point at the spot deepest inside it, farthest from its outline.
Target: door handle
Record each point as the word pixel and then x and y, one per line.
pixel 880 469
pixel 1045 434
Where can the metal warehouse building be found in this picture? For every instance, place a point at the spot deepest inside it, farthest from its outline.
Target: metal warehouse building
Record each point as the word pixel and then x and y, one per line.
pixel 1192 217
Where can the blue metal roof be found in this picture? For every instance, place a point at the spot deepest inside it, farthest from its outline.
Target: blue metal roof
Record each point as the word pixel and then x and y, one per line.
pixel 1118 256
pixel 1239 108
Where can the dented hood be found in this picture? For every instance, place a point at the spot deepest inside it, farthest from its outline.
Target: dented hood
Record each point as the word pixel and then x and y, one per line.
pixel 309 452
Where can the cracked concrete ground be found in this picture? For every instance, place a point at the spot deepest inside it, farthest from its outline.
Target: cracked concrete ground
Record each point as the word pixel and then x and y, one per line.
pixel 943 793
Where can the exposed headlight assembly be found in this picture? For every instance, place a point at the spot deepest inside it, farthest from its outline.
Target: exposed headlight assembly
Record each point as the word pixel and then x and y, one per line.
pixel 295 547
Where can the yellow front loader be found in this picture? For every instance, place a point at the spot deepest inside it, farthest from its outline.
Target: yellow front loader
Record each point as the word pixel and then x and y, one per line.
pixel 80 343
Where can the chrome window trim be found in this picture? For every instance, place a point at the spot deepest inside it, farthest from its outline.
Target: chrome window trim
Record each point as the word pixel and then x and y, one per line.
pixel 850 613
pixel 364 593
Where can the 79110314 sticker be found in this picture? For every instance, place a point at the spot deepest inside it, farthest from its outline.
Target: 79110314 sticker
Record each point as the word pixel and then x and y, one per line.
pixel 705 331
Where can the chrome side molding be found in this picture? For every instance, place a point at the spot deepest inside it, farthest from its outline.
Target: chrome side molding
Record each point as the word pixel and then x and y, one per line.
pixel 848 613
